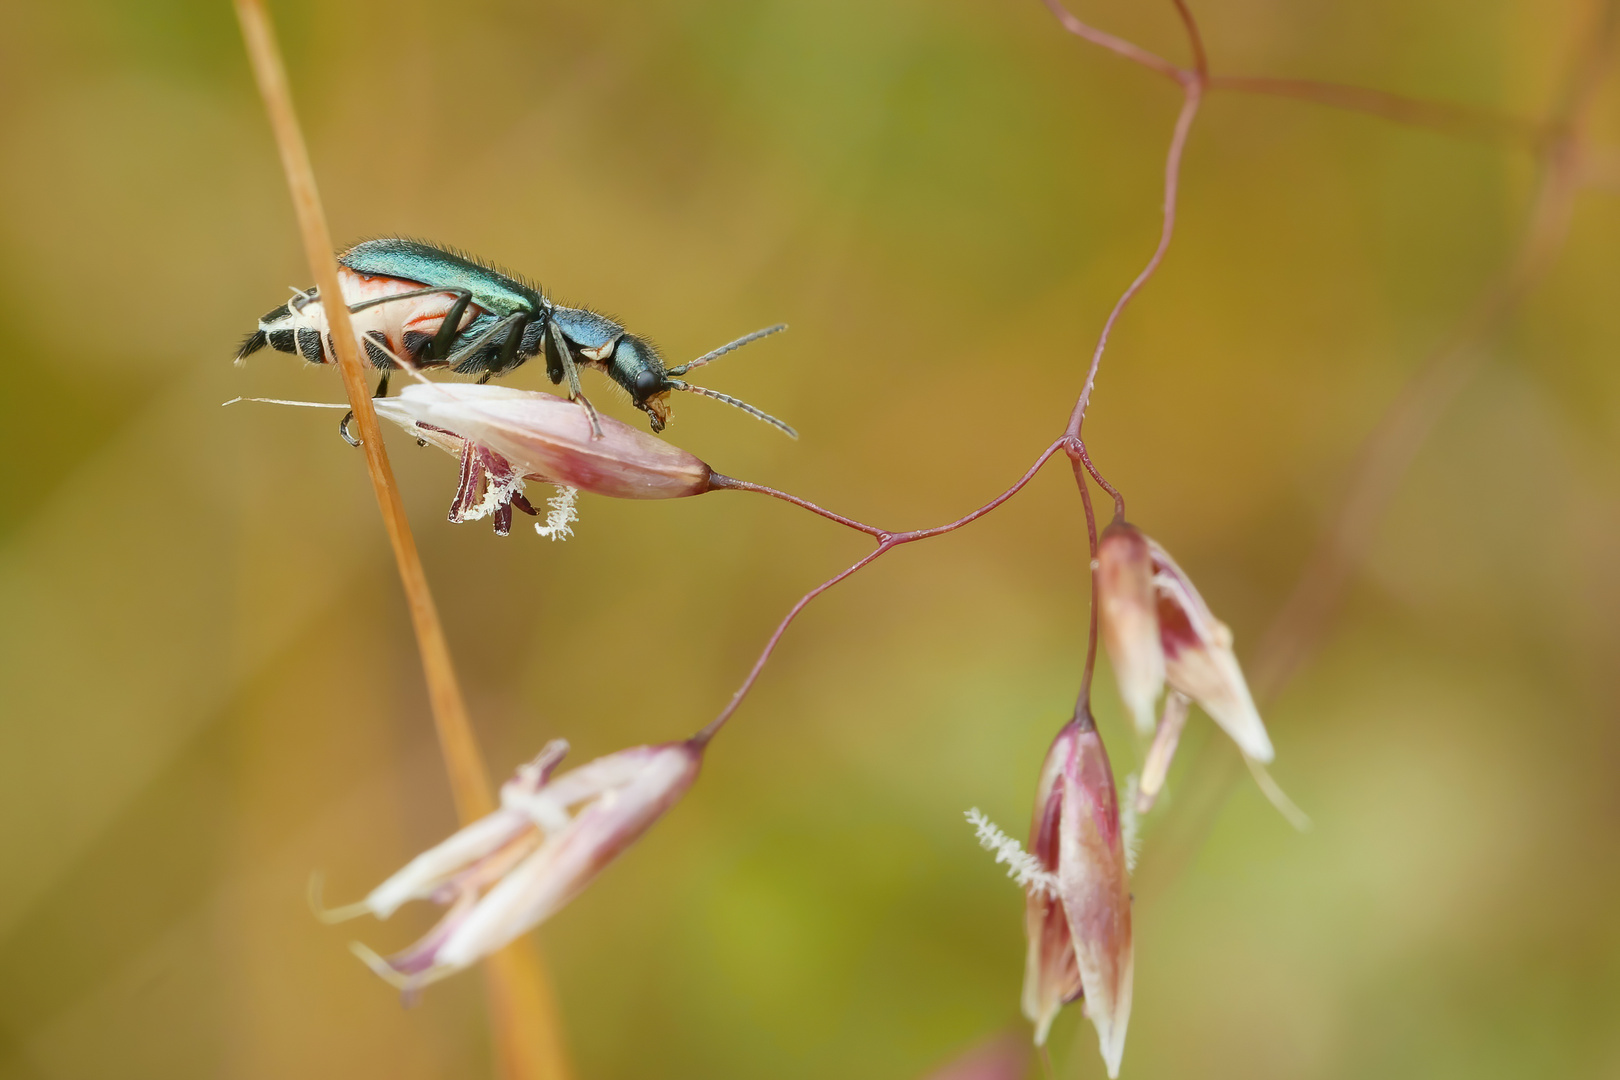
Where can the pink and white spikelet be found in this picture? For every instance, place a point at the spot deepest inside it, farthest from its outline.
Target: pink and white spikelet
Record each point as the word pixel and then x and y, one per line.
pixel 1079 933
pixel 1157 630
pixel 509 871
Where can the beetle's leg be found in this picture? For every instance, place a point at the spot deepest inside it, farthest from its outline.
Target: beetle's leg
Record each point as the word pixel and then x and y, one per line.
pixel 590 411
pixel 514 338
pixel 483 339
pixel 571 370
pixel 348 417
pixel 554 366
pixel 343 428
pixel 343 424
pixel 440 348
pixel 391 297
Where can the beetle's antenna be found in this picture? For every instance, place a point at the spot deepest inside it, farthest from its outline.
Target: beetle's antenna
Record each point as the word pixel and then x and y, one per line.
pixel 711 357
pixel 704 391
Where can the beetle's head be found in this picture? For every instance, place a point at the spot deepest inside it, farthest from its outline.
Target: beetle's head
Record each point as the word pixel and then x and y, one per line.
pixel 636 366
pixel 647 382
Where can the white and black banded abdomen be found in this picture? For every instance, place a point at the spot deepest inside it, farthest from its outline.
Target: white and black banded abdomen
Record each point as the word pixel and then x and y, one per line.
pixel 399 328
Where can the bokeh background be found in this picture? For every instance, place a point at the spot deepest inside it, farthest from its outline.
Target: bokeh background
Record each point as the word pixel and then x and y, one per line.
pixel 208 685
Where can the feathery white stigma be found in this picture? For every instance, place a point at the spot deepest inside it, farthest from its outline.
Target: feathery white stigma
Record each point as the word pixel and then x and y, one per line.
pixel 560 514
pixel 1022 867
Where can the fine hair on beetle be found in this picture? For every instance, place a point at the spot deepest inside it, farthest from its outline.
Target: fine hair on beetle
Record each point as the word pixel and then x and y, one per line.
pixel 420 305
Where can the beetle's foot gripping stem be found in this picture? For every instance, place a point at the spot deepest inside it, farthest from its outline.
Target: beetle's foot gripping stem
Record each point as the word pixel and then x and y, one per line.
pixel 343 428
pixel 348 417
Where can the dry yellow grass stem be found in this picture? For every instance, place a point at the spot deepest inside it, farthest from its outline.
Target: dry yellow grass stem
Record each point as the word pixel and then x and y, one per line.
pixel 527 1041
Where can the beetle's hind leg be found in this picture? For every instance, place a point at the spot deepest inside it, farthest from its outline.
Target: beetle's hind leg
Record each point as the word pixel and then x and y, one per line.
pixel 449 326
pixel 571 371
pixel 509 350
pixel 465 358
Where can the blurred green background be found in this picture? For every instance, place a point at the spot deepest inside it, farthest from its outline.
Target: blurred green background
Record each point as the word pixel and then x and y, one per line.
pixel 208 682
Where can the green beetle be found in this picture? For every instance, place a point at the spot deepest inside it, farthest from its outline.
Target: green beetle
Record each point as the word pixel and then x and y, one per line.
pixel 433 307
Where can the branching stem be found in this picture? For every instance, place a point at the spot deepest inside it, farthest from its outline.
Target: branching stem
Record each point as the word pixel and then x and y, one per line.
pixel 887 542
pixel 1082 706
pixel 1192 84
pixel 727 483
pixel 1314 596
pixel 1193 94
pixel 1195 40
pixel 1116 45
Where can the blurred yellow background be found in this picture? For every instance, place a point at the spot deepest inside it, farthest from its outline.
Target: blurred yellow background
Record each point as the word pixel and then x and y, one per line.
pixel 208 683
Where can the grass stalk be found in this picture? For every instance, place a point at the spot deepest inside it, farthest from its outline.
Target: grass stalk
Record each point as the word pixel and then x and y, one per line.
pixel 527 1038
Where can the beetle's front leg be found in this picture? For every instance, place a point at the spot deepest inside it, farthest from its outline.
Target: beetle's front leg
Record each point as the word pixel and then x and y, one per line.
pixel 571 370
pixel 554 364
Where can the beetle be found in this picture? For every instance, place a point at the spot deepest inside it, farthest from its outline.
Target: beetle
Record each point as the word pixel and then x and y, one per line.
pixel 430 306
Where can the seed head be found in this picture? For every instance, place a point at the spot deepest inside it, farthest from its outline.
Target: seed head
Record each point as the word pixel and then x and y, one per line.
pixel 1127 610
pixel 1079 941
pixel 511 870
pixel 544 437
pixel 1157 629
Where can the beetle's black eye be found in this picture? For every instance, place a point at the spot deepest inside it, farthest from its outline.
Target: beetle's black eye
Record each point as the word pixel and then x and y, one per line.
pixel 647 384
